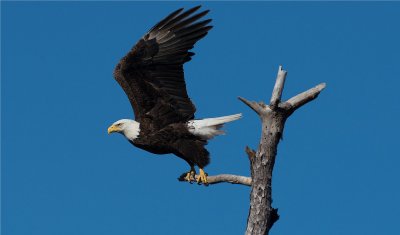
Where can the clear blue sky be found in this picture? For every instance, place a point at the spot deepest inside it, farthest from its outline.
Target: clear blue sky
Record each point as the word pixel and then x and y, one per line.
pixel 337 170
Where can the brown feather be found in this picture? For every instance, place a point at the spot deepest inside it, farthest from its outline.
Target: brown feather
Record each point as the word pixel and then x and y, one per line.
pixel 152 74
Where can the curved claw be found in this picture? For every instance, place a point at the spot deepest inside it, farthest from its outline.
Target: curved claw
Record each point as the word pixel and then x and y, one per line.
pixel 190 176
pixel 202 179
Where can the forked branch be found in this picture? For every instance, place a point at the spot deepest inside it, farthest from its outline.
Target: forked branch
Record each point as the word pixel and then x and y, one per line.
pixel 273 117
pixel 262 215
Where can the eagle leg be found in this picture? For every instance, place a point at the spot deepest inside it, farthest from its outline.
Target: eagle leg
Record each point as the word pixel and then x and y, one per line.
pixel 190 175
pixel 202 177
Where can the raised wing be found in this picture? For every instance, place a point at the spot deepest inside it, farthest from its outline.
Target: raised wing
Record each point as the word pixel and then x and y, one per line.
pixel 151 74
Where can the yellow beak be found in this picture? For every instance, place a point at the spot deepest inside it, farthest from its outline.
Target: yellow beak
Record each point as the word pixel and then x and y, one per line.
pixel 112 129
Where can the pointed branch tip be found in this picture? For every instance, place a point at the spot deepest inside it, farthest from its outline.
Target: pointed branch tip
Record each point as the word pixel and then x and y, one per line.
pixel 278 88
pixel 303 98
pixel 253 105
pixel 250 152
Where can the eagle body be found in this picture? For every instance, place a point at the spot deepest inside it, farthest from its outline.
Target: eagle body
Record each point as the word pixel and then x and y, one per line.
pixel 152 76
pixel 176 139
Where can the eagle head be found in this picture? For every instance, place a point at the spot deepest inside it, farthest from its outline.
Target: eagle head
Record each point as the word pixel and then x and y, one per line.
pixel 129 128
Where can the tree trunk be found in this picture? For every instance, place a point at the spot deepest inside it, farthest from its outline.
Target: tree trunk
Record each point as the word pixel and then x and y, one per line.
pixel 273 117
pixel 261 214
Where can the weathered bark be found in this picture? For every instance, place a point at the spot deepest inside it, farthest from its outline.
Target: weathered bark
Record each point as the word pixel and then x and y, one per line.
pixel 273 117
pixel 225 178
pixel 229 178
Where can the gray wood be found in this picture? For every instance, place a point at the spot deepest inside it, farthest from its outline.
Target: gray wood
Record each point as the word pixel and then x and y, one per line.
pixel 278 88
pixel 301 99
pixel 273 117
pixel 226 178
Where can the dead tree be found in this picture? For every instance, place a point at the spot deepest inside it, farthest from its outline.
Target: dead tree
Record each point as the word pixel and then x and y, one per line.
pixel 273 117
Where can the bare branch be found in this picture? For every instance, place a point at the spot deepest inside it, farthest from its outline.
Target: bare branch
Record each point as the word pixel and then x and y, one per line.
pixel 278 88
pixel 303 98
pixel 253 105
pixel 262 215
pixel 250 152
pixel 226 178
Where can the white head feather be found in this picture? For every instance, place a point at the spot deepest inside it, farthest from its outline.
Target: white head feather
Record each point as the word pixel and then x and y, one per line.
pixel 129 128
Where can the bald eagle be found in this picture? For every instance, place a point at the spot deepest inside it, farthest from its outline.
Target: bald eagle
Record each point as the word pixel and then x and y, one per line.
pixel 152 76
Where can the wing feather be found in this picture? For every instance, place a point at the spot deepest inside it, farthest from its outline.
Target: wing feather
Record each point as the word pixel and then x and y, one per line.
pixel 152 74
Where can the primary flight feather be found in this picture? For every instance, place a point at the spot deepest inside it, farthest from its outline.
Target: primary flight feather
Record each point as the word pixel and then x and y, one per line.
pixel 152 76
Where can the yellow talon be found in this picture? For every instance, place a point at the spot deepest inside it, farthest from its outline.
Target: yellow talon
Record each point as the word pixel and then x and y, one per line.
pixel 202 177
pixel 190 176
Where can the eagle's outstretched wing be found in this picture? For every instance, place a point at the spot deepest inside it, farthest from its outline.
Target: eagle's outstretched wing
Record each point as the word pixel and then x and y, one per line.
pixel 151 74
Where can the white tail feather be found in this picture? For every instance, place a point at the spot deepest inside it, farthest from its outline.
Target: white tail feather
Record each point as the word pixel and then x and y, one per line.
pixel 208 128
